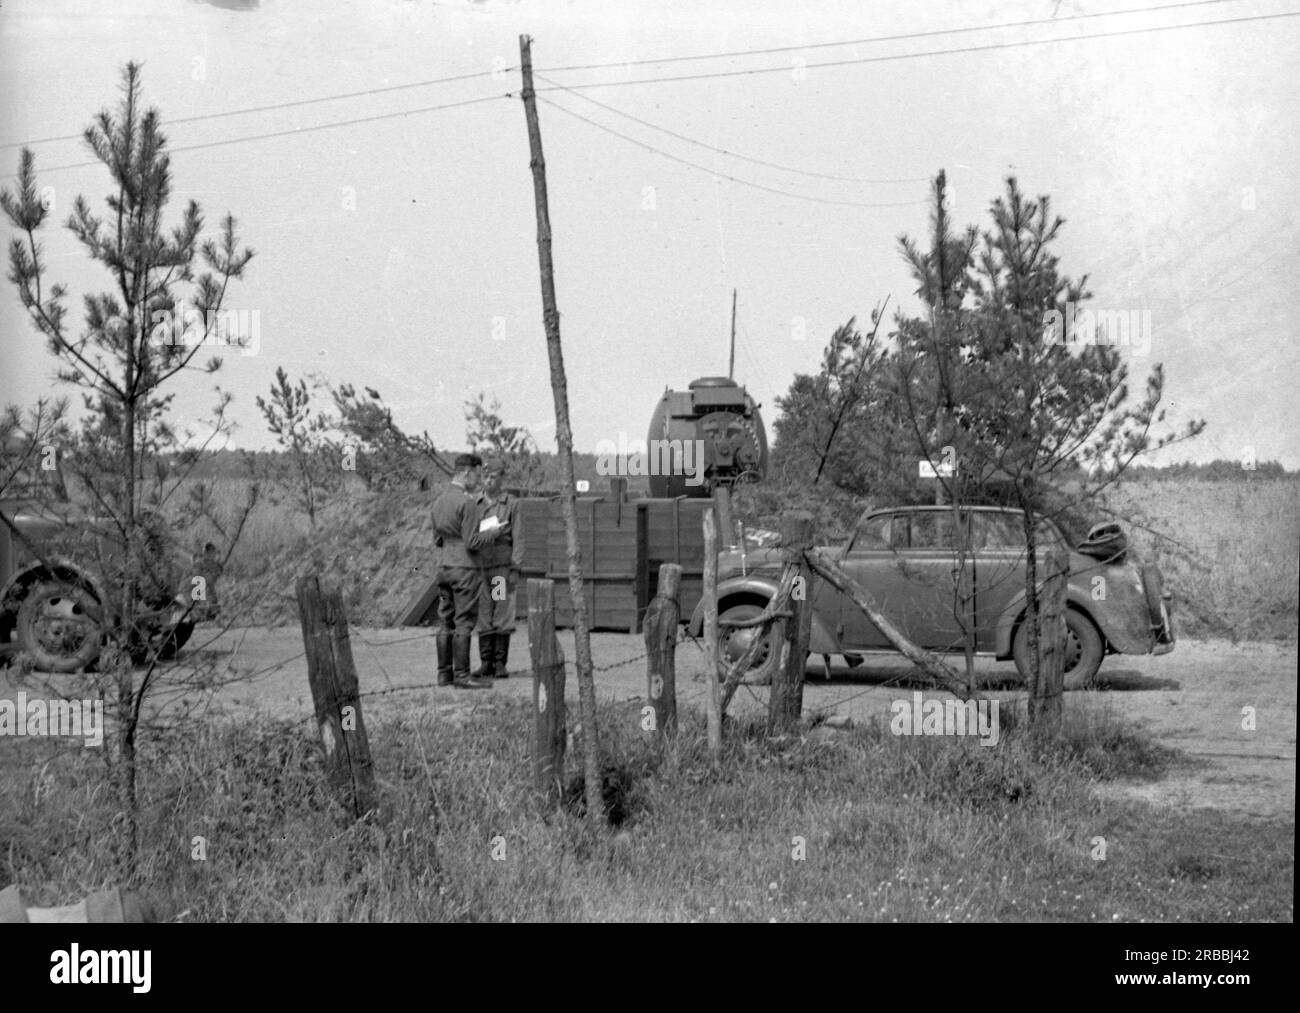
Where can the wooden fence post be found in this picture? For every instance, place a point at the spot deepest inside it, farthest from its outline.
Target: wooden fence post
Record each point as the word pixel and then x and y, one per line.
pixel 713 704
pixel 334 691
pixel 1047 704
pixel 661 650
pixel 785 704
pixel 726 526
pixel 548 691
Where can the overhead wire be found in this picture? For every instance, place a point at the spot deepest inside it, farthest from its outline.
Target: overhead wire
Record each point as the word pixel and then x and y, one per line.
pixel 733 154
pixel 904 36
pixel 280 105
pixel 721 175
pixel 894 57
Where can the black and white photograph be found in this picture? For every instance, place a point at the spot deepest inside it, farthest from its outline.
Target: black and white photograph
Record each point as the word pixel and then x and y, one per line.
pixel 567 462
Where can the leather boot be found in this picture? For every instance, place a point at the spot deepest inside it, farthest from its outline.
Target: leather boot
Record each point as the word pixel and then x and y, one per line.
pixel 443 642
pixel 503 655
pixel 487 651
pixel 460 645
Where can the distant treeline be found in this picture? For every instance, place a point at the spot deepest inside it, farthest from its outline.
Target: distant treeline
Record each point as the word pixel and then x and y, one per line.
pixel 233 464
pixel 1219 470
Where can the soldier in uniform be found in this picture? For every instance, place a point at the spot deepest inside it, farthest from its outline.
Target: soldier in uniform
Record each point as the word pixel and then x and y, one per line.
pixel 502 561
pixel 459 576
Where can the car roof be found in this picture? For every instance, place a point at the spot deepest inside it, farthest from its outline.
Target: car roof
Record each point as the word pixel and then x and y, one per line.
pixel 973 508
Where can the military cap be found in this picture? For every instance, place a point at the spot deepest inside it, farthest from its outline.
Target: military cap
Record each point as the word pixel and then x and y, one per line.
pixel 494 466
pixel 464 461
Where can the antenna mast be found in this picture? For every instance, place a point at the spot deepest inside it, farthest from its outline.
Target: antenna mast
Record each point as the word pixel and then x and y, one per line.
pixel 731 363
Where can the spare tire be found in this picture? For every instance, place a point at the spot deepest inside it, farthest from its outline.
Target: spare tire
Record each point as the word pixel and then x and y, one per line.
pixel 57 627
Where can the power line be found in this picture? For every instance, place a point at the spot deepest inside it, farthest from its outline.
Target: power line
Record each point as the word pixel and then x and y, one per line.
pixel 733 179
pixel 884 38
pixel 634 63
pixel 732 154
pixel 282 105
pixel 931 52
pixel 298 130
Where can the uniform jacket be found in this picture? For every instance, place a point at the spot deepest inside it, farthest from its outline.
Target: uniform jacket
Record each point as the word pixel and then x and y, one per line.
pixel 456 538
pixel 509 549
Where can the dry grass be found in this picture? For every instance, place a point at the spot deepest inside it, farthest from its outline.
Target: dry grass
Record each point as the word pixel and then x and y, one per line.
pixel 1231 552
pixel 891 829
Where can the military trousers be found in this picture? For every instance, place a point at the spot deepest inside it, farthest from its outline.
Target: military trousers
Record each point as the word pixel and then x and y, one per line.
pixel 460 590
pixel 496 612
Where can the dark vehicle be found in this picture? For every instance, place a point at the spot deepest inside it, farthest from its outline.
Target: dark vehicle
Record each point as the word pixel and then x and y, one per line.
pixel 54 603
pixel 719 413
pixel 907 558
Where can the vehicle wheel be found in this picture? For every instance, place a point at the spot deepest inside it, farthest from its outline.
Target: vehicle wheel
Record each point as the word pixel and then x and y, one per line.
pixel 853 660
pixel 733 643
pixel 1083 650
pixel 57 628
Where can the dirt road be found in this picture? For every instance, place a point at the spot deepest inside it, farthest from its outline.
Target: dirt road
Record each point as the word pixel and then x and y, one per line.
pixel 1194 700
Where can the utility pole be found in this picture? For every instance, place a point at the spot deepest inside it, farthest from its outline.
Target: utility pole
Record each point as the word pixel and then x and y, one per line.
pixel 731 363
pixel 563 437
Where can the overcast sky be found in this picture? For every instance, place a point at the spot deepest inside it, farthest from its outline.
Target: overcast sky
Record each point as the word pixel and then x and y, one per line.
pixel 400 253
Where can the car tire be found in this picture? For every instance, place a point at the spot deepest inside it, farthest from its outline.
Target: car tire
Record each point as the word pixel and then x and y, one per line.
pixel 59 611
pixel 733 643
pixel 1084 650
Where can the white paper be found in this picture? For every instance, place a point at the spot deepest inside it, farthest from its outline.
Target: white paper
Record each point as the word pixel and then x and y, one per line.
pixel 489 524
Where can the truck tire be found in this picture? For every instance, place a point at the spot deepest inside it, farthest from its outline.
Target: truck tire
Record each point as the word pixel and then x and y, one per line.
pixel 1084 650
pixel 56 627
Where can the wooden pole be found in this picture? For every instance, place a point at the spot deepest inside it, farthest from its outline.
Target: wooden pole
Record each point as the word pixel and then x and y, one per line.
pixel 548 691
pixel 726 526
pixel 564 438
pixel 661 650
pixel 335 693
pixel 785 704
pixel 713 707
pixel 1046 703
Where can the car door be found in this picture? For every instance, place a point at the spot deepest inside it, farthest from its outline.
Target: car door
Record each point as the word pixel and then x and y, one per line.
pixel 907 566
pixel 998 541
pixel 998 537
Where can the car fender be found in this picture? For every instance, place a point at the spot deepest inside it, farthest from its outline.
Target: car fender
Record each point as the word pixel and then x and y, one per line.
pixel 1121 618
pixel 821 639
pixel 54 568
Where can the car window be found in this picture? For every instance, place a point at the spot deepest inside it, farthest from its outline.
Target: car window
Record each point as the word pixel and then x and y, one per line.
pixel 1002 531
pixel 873 533
pixel 933 529
pixel 997 531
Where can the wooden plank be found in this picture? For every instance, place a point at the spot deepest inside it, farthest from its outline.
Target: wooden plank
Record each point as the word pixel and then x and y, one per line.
pixel 785 703
pixel 661 649
pixel 332 676
pixel 548 692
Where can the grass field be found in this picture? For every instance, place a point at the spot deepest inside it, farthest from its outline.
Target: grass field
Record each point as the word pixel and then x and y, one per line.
pixel 856 825
pixel 1230 551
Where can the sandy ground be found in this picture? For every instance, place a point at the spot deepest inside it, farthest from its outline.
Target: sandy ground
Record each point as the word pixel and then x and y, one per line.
pixel 1193 699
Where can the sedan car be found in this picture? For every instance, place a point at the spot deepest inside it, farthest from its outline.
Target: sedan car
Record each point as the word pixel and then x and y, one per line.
pixel 907 558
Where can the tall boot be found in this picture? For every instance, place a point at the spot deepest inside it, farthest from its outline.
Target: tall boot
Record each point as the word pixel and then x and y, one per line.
pixel 487 651
pixel 443 642
pixel 503 655
pixel 460 645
